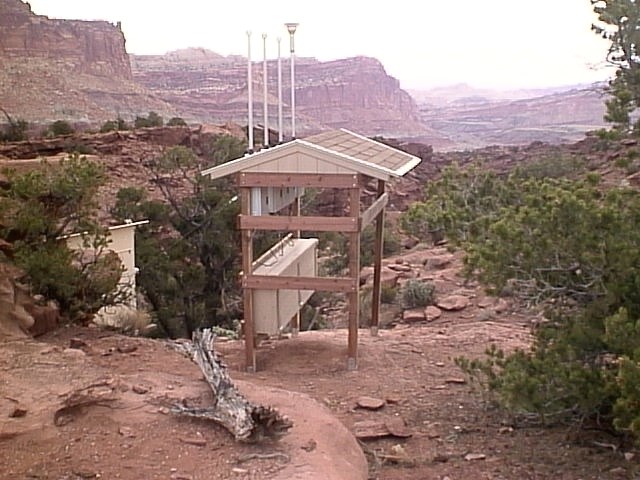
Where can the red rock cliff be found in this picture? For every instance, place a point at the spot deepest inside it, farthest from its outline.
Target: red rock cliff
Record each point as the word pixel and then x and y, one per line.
pixel 354 93
pixel 96 48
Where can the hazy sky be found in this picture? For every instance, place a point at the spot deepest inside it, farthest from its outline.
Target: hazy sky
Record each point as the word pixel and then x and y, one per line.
pixel 485 43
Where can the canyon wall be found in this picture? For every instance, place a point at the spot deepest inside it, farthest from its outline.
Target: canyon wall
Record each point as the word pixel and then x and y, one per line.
pixel 66 69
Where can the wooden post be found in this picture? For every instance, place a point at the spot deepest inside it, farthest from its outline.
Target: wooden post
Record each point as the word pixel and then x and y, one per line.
pixel 377 265
pixel 247 293
pixel 354 273
pixel 295 322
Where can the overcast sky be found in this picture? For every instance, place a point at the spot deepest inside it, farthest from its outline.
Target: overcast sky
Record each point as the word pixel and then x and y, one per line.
pixel 423 43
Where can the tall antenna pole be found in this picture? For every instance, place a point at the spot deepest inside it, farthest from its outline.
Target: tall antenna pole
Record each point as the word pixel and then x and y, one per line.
pixel 291 28
pixel 280 134
pixel 250 92
pixel 265 91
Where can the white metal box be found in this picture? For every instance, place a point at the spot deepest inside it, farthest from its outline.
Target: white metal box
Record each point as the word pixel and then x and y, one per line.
pixel 266 200
pixel 274 309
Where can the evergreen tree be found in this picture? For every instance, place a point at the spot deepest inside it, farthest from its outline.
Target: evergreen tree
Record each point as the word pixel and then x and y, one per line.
pixel 619 23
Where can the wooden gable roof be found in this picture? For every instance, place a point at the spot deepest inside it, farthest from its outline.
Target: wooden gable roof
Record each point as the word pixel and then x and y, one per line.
pixel 332 152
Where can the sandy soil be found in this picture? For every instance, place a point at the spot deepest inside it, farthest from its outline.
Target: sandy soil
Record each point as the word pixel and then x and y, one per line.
pixel 131 434
pixel 411 368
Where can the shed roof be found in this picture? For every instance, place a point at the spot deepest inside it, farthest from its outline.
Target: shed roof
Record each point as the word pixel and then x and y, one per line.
pixel 344 150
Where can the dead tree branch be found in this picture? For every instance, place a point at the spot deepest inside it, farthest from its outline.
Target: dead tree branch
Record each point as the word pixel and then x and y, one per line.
pixel 246 421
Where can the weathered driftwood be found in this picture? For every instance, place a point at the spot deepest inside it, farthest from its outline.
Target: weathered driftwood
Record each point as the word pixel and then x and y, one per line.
pixel 246 421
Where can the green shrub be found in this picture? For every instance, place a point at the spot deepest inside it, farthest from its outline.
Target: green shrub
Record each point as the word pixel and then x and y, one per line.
pixel 80 149
pixel 176 122
pixel 60 127
pixel 151 120
pixel 553 166
pixel 388 294
pixel 623 162
pixel 37 210
pixel 15 131
pixel 417 293
pixel 613 134
pixel 336 245
pixel 574 248
pixel 114 125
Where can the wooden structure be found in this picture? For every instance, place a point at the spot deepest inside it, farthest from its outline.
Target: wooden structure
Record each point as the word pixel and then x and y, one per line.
pixel 273 178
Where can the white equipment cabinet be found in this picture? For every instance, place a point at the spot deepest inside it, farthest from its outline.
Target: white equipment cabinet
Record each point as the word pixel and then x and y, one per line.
pixel 274 309
pixel 266 200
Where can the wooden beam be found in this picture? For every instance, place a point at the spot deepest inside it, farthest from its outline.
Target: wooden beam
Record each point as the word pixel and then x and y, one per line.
pixel 339 180
pixel 372 212
pixel 354 272
pixel 323 284
pixel 292 224
pixel 377 262
pixel 247 294
pixel 296 321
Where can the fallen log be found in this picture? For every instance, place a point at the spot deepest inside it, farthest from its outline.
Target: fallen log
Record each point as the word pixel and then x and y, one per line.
pixel 246 421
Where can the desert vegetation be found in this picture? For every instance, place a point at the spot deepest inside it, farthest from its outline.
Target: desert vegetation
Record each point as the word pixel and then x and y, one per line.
pixel 38 210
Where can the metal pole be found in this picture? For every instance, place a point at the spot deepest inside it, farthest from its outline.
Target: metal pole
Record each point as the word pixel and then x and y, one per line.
pixel 293 93
pixel 291 28
pixel 265 92
pixel 280 133
pixel 250 92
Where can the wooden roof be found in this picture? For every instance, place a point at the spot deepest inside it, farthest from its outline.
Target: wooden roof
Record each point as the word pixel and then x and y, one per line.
pixel 339 151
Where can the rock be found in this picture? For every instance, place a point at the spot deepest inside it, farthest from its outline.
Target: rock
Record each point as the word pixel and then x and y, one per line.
pixel 502 306
pixel 140 389
pixel 370 403
pixel 181 476
pixel 440 458
pixel 366 275
pixel 618 472
pixel 432 313
pixel 45 318
pixel 453 303
pixel 484 316
pixel 485 302
pixel 400 268
pixel 397 427
pixel 628 456
pixel 89 47
pixel 354 93
pixel 126 432
pixel 438 262
pixel 470 457
pixel 372 429
pixel 18 412
pixel 73 352
pixel 101 80
pixel 198 442
pixel 127 348
pixel 456 381
pixel 310 446
pixel 388 278
pixel 77 343
pixel 399 450
pixel 409 242
pixel 413 315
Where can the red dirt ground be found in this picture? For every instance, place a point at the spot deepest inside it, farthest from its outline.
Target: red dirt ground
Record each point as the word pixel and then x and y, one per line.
pixel 454 433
